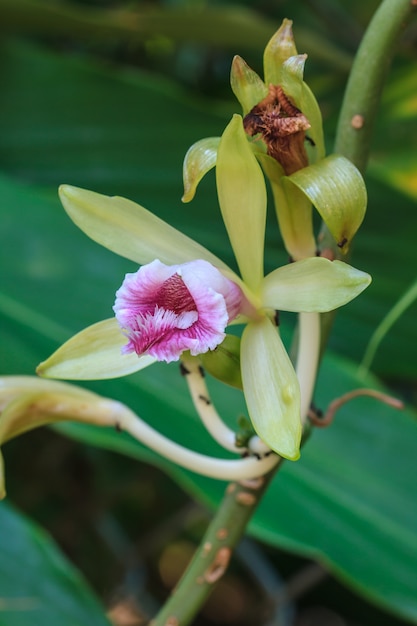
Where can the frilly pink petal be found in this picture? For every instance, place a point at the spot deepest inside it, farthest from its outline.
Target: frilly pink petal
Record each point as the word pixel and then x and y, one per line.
pixel 165 310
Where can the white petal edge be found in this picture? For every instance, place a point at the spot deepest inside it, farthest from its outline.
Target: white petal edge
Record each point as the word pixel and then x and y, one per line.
pixel 313 285
pixel 94 354
pixel 271 389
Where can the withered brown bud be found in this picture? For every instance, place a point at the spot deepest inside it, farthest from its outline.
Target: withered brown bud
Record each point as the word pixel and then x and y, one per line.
pixel 282 127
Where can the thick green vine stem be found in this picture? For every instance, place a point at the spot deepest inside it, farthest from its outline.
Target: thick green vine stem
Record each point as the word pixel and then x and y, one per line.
pixel 212 557
pixel 367 77
pixel 361 101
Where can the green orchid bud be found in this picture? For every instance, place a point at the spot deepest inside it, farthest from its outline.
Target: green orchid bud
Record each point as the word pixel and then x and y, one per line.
pixel 223 363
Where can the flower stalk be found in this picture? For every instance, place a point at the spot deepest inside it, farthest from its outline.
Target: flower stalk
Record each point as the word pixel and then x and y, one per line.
pixel 214 553
pixel 307 358
pixel 203 404
pixel 362 98
pixel 367 78
pixel 212 467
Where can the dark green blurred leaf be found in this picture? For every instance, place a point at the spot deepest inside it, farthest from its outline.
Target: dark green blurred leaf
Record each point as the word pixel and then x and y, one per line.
pixel 228 27
pixel 37 585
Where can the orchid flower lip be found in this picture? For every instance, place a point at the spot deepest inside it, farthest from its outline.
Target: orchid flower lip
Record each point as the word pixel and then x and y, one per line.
pixel 166 310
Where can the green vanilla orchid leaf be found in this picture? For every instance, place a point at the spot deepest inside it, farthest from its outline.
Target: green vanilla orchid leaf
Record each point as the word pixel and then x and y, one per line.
pixel 313 285
pixel 337 190
pixel 94 353
pixel 280 47
pixel 39 586
pixel 247 86
pixel 200 158
pixel 224 362
pixel 271 387
pixel 130 230
pixel 242 197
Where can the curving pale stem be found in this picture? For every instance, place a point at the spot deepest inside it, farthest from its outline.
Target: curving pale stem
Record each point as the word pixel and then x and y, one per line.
pixel 307 358
pixel 194 375
pixel 222 469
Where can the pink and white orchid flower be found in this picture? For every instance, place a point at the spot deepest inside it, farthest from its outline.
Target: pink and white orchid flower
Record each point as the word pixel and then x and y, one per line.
pixel 185 299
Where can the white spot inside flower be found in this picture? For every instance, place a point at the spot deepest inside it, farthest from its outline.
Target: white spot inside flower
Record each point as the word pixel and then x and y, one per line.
pixel 167 309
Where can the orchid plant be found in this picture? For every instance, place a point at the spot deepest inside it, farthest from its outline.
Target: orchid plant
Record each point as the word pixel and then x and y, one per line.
pixel 180 302
pixel 185 304
pixel 182 298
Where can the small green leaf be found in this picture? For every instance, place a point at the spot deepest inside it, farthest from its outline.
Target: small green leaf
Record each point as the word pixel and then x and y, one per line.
pixel 92 354
pixel 337 190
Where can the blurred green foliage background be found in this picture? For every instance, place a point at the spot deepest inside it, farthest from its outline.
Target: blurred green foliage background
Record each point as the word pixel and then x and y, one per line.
pixel 109 96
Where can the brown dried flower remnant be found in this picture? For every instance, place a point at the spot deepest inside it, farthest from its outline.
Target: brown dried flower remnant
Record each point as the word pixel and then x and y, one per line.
pixel 282 127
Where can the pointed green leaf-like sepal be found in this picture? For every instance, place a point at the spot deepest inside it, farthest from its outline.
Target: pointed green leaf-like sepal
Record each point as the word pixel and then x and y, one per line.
pixel 271 389
pixel 310 108
pixel 242 197
pixel 130 230
pixel 280 47
pixel 200 159
pixel 247 86
pixel 337 190
pixel 292 78
pixel 95 353
pixel 313 285
pixel 293 209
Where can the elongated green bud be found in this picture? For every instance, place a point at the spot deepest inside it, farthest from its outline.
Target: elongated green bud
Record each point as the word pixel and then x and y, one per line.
pixel 223 363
